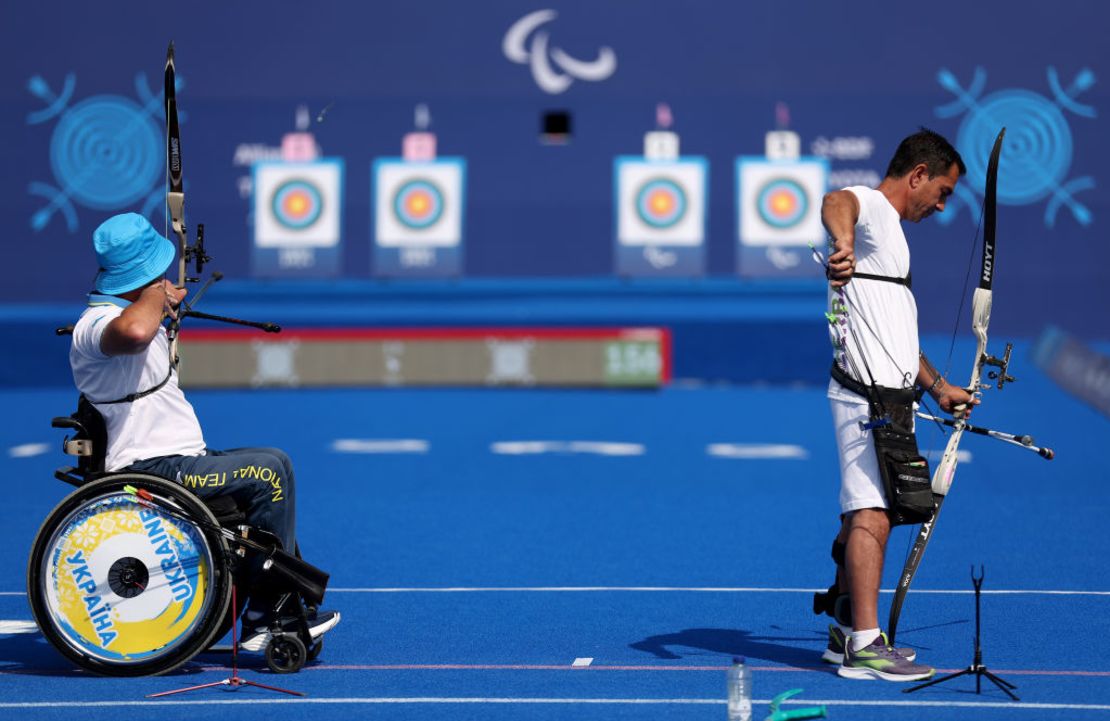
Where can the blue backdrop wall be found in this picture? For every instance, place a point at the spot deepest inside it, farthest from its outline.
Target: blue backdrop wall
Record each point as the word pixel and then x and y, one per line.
pixel 855 77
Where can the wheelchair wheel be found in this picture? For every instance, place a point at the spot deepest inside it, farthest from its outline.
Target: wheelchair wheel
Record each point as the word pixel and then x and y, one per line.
pixel 124 589
pixel 285 653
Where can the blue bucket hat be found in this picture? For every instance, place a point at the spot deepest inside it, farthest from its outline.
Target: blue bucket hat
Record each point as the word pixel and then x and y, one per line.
pixel 131 253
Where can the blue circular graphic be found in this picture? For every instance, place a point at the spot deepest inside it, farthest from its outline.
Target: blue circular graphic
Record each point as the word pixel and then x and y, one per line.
pixel 782 202
pixel 106 152
pixel 1037 151
pixel 661 202
pixel 297 204
pixel 418 203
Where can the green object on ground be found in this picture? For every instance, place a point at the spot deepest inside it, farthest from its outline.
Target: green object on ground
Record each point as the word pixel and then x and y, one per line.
pixel 794 714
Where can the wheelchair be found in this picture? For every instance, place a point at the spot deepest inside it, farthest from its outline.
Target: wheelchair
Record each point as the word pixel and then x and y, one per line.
pixel 132 574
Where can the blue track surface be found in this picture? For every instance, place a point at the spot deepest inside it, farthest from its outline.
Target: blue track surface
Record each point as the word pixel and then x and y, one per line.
pixel 471 578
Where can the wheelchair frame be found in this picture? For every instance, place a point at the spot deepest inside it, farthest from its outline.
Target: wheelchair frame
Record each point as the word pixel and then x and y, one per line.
pixel 87 608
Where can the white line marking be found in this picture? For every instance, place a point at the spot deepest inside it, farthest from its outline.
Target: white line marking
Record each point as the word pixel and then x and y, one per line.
pixel 565 701
pixel 582 662
pixel 18 627
pixel 28 450
pixel 380 445
pixel 684 589
pixel 520 448
pixel 757 450
pixel 607 448
pixel 600 448
pixel 677 589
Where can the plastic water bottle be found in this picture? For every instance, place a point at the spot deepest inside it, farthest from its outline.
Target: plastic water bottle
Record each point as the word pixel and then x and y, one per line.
pixel 739 691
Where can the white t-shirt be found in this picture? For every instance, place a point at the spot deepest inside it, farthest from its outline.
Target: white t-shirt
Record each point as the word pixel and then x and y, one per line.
pixel 881 316
pixel 160 424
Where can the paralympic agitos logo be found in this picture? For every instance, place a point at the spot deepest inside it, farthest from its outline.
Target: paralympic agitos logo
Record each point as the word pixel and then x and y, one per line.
pixel 526 43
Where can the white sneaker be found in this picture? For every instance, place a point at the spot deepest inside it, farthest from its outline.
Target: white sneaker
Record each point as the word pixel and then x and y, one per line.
pixel 318 625
pixel 834 652
pixel 882 662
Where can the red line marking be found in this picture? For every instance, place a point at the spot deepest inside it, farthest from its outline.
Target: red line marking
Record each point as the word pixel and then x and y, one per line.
pixel 824 668
pixel 665 352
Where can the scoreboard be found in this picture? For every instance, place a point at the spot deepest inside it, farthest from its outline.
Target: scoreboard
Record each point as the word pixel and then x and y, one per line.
pixel 322 357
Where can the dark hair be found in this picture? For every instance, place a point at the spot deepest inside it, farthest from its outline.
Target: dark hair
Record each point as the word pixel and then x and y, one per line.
pixel 926 147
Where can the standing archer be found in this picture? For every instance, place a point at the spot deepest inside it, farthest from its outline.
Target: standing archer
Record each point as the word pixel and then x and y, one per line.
pixel 877 363
pixel 123 365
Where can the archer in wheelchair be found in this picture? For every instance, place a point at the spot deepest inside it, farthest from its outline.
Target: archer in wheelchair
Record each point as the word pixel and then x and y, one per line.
pixel 133 573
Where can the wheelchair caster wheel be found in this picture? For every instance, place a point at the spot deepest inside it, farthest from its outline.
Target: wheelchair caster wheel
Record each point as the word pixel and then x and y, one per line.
pixel 285 654
pixel 315 649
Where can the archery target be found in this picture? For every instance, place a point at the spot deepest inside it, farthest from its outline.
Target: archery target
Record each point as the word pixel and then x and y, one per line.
pixel 419 204
pixel 779 202
pixel 660 202
pixel 782 203
pixel 297 205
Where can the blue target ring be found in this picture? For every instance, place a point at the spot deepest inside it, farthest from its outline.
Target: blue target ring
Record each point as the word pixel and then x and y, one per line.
pixel 782 202
pixel 661 202
pixel 106 152
pixel 297 204
pixel 418 204
pixel 1038 148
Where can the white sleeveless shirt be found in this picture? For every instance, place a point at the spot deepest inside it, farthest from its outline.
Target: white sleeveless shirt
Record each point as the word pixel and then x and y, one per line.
pixel 160 424
pixel 882 316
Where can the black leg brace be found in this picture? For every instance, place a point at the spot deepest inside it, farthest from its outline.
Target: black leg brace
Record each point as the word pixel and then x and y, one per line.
pixel 834 603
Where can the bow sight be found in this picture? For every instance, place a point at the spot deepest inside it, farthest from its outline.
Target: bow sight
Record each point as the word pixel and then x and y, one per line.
pixel 195 254
pixel 1003 365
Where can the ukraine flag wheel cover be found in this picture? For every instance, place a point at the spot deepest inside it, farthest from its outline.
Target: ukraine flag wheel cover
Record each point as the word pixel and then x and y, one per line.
pixel 125 589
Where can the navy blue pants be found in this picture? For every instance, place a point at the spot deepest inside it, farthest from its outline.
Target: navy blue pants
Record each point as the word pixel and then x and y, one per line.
pixel 259 480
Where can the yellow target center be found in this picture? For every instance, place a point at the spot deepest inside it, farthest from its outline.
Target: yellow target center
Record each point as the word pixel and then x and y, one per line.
pixel 662 203
pixel 782 204
pixel 296 205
